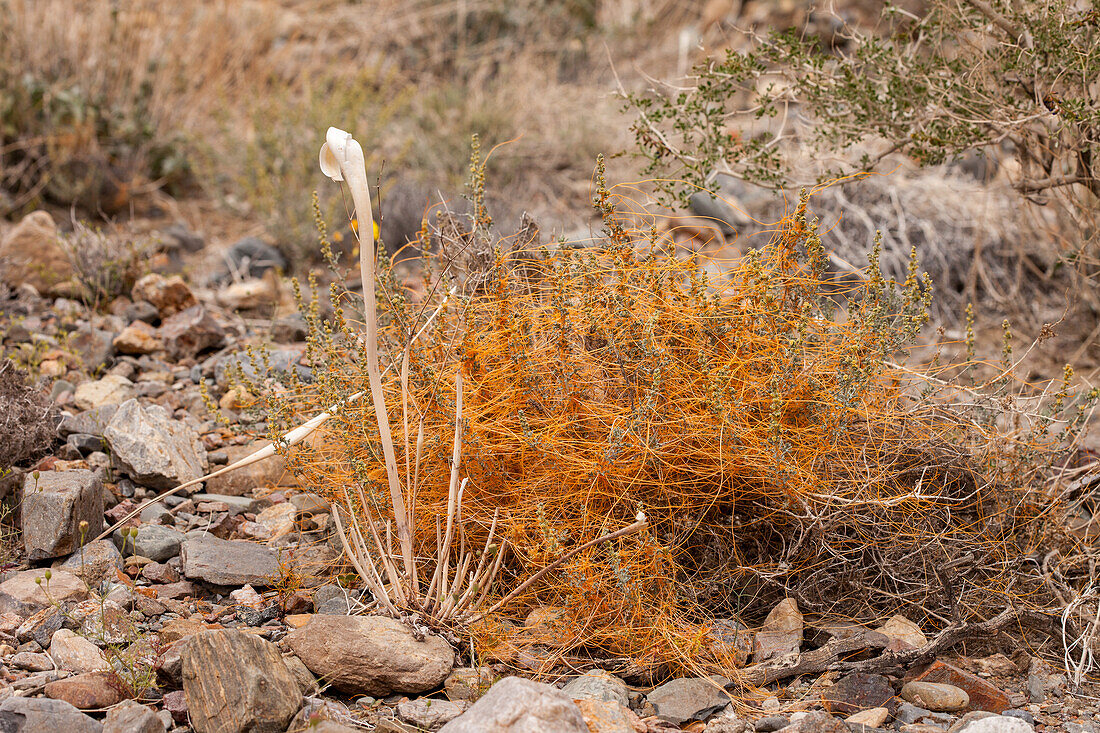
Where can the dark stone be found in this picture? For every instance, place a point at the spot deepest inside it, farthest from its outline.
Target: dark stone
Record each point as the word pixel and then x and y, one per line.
pixel 252 256
pixel 143 311
pixel 190 332
pixel 859 691
pixel 85 443
pixel 770 723
pixel 258 616
pixel 91 422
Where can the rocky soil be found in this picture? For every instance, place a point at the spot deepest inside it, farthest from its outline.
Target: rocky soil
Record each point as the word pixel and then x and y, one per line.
pixel 219 609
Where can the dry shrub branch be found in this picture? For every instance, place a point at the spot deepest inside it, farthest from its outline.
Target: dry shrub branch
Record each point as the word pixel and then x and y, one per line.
pixel 766 432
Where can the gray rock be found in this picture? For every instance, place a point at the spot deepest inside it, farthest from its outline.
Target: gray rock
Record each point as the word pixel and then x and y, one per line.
pixel 517 705
pixel 237 683
pixel 816 722
pixel 307 503
pixel 20 593
pixel 997 724
pixel 770 723
pixel 376 655
pixel 252 256
pixel 683 700
pixel 1036 690
pixel 908 713
pixel 190 332
pixel 155 513
pixel 92 422
pixel 132 717
pixel 427 713
pixel 289 329
pixel 154 541
pixel 152 448
pixel 598 685
pixel 94 562
pixel 110 390
pixel 31 661
pixel 228 562
pixel 94 346
pixel 43 715
pixel 1021 714
pixel 86 443
pixel 54 505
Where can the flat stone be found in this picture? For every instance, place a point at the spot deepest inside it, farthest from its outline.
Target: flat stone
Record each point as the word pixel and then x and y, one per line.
pixel 40 627
pixel 94 346
pixel 770 723
pixel 132 717
pixel 153 449
pixel 376 655
pixel 429 714
pixel 858 691
pixel 598 684
pixel 816 722
pixel 102 620
pixel 872 717
pixel 190 332
pixel 75 653
pixel 154 541
pixel 983 695
pixel 237 683
pixel 32 661
pixel 87 691
pixel 91 422
pixel 20 594
pixel 228 562
pixel 55 504
pixel 42 715
pixel 781 633
pixel 137 338
pixel 308 503
pixel 683 700
pixel 935 696
pixel 517 705
pixel 110 390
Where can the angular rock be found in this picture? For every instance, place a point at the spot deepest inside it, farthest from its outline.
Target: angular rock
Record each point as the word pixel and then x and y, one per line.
pixel 55 504
pixel 168 295
pixel 94 346
pixel 278 519
pixel 235 504
pixel 517 705
pixel 32 254
pixel 228 562
pixel 132 717
pixel 683 700
pixel 152 448
pixel 781 633
pixel 603 716
pixel 770 723
pixel 40 627
pixel 858 691
pixel 91 422
pixel 468 683
pixel 22 595
pixel 42 715
pixel 75 653
pixel 190 332
pixel 997 724
pixel 903 632
pixel 872 717
pixel 87 691
pixel 427 713
pixel 102 620
pixel 137 338
pixel 251 293
pixel 816 722
pixel 376 655
pixel 32 661
pixel 154 541
pixel 237 682
pixel 983 695
pixel 268 472
pixel 600 685
pixel 110 390
pixel 935 696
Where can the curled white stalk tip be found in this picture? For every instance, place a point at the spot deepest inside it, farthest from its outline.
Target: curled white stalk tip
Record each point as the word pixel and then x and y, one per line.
pixel 334 153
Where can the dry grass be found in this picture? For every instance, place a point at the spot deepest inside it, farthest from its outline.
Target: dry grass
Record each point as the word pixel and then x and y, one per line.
pixel 772 444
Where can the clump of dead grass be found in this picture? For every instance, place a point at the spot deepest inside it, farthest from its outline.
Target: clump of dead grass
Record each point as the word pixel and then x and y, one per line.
pixel 27 419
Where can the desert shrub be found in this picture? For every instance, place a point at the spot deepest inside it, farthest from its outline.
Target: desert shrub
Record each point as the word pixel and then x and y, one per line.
pixel 27 419
pixel 105 264
pixel 773 444
pixel 961 77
